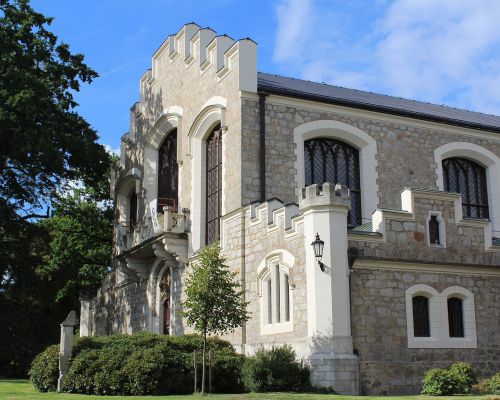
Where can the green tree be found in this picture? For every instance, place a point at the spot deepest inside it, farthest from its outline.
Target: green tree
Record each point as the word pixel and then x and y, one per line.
pixel 214 300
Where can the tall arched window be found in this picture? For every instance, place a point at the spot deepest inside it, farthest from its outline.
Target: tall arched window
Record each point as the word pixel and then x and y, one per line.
pixel 455 317
pixel 214 185
pixel 461 175
pixel 330 160
pixel 133 210
pixel 168 172
pixel 421 326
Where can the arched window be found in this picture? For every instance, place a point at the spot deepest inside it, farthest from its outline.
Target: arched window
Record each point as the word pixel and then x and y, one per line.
pixel 133 210
pixel 168 172
pixel 276 296
pixel 330 160
pixel 214 185
pixel 421 326
pixel 461 175
pixel 455 317
pixel 165 301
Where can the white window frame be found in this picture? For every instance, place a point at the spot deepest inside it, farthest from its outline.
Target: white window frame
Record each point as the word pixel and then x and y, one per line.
pixel 483 157
pixel 284 261
pixel 438 318
pixel 366 145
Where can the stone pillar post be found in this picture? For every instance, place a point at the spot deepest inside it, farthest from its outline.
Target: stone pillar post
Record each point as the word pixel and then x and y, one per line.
pixel 65 347
pixel 333 363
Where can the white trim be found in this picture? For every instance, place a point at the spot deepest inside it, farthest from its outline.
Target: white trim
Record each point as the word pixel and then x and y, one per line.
pixel 442 229
pixel 487 159
pixel 438 318
pixel 200 130
pixel 265 271
pixel 366 145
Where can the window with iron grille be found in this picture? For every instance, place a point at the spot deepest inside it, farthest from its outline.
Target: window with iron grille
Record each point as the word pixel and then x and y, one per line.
pixel 455 317
pixel 421 326
pixel 333 161
pixel 214 185
pixel 133 210
pixel 168 172
pixel 468 178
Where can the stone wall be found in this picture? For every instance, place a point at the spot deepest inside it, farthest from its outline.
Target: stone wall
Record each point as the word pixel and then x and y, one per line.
pixel 405 150
pixel 379 329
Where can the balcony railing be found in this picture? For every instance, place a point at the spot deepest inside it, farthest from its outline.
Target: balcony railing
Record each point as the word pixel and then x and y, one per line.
pixel 128 236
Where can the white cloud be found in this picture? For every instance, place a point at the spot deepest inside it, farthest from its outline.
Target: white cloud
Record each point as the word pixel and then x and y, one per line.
pixel 110 150
pixel 445 51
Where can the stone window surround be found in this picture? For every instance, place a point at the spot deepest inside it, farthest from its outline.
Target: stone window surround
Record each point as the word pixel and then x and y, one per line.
pixel 128 185
pixel 213 113
pixel 366 145
pixel 438 318
pixel 286 261
pixel 442 229
pixel 485 158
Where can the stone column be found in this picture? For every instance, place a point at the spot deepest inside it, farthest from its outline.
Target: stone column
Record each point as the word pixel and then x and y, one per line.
pixel 65 347
pixel 333 363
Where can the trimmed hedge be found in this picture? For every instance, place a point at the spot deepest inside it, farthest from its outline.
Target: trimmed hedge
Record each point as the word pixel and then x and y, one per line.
pixel 45 369
pixel 275 370
pixel 143 364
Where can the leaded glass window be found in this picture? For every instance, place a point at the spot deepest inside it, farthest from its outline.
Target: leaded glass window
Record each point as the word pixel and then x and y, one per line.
pixel 468 178
pixel 455 317
pixel 168 172
pixel 333 161
pixel 214 184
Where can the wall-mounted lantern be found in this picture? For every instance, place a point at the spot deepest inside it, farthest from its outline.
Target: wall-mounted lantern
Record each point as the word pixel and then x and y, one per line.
pixel 318 246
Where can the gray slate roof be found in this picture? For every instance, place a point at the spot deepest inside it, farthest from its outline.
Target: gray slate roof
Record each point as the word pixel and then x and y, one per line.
pixel 298 88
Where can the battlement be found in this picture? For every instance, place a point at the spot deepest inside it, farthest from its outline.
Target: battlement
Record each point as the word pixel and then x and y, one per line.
pixel 324 195
pixel 206 50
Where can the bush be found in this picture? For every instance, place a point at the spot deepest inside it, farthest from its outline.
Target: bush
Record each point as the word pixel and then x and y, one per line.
pixel 458 379
pixel 146 363
pixel 274 370
pixel 45 369
pixel 495 384
pixel 438 382
pixel 482 388
pixel 464 377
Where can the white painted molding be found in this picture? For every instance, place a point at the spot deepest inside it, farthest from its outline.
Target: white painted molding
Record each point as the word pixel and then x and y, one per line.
pixel 484 157
pixel 366 145
pixel 438 318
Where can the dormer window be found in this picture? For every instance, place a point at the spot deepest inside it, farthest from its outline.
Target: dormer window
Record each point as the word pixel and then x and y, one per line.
pixel 168 172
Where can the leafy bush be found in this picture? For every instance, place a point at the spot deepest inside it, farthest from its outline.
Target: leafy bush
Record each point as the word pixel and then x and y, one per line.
pixel 458 379
pixel 147 363
pixel 464 377
pixel 45 369
pixel 438 382
pixel 274 370
pixel 495 384
pixel 482 387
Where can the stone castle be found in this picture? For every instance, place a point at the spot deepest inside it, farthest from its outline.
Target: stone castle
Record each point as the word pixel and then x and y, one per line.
pixel 404 197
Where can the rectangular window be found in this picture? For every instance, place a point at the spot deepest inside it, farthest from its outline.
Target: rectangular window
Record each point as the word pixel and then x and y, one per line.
pixel 421 326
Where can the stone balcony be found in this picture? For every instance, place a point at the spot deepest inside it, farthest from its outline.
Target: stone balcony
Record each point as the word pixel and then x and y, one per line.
pixel 147 229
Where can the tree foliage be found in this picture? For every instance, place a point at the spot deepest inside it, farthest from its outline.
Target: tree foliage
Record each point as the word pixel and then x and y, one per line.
pixel 46 147
pixel 214 300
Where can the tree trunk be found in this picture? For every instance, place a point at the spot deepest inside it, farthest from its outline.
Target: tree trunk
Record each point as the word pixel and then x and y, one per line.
pixel 203 363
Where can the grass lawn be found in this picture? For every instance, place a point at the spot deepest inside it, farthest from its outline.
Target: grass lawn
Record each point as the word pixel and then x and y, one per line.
pixel 22 390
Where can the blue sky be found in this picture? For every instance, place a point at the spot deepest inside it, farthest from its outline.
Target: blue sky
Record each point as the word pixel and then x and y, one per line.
pixel 441 51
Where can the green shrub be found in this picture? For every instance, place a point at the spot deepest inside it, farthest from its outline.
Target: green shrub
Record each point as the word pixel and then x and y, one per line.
pixel 45 369
pixel 147 363
pixel 274 370
pixel 464 377
pixel 438 382
pixel 458 379
pixel 483 387
pixel 495 384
